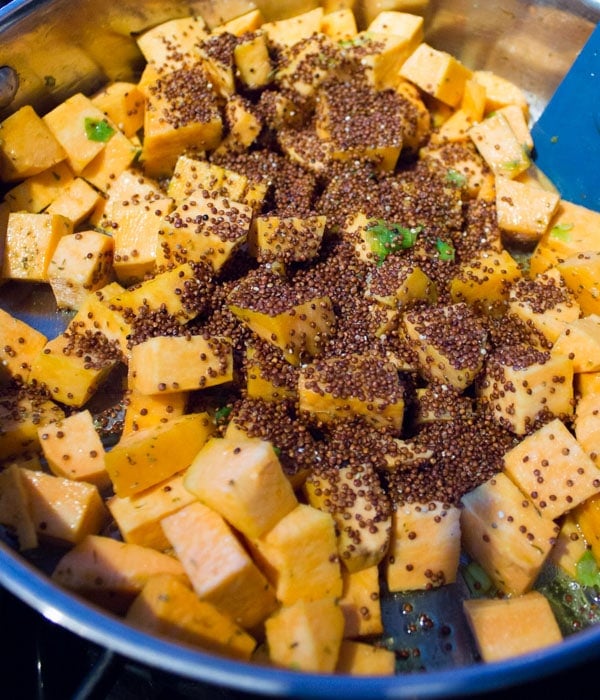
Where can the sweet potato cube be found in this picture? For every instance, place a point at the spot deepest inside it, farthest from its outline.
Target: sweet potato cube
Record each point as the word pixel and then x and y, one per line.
pixel 173 44
pixel 208 228
pixel 14 507
pixel 193 174
pixel 299 556
pixel 508 627
pixel 361 511
pixel 437 73
pixel 500 92
pixel 81 129
pixel 218 566
pixel 425 547
pixel 448 341
pixel 581 273
pixel 551 467
pixel 571 544
pixel 171 126
pixel 524 210
pixel 168 607
pixel 20 417
pixel 499 146
pixel 521 384
pixel 486 278
pixel 573 229
pixel 36 192
pixel 76 201
pixel 396 23
pixel 252 60
pixel 123 103
pixel 147 457
pixel 383 53
pixel 243 481
pixel 287 32
pixel 148 410
pixel 360 603
pixel 113 573
pixel 505 534
pixel 81 263
pixel 20 344
pixel 587 422
pixel 398 284
pixel 545 304
pixel 63 511
pixel 239 26
pixel 27 146
pixel 31 240
pixel 361 659
pixel 289 239
pixel 170 364
pixel 336 388
pixel 74 450
pixel 300 330
pixel 244 126
pixel 306 636
pixel 72 367
pixel 139 516
pixel 580 341
pixel 118 155
pixel 339 24
pixel 587 518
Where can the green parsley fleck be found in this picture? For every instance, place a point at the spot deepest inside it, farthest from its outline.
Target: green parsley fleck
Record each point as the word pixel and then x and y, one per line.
pixel 384 238
pixel 561 231
pixel 453 177
pixel 588 573
pixel 445 250
pixel 222 413
pixel 98 130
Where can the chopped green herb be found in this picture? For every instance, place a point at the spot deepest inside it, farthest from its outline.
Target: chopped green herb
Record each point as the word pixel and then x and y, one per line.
pixel 561 231
pixel 455 178
pixel 98 129
pixel 479 583
pixel 445 250
pixel 385 238
pixel 222 413
pixel 358 40
pixel 588 573
pixel 277 450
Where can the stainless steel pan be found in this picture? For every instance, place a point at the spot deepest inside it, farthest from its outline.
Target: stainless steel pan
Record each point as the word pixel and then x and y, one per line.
pixel 50 49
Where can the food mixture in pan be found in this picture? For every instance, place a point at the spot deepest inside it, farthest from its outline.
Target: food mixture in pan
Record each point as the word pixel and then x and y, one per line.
pixel 357 334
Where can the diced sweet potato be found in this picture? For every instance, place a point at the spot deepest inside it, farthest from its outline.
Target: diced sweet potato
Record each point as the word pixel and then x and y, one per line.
pixel 63 511
pixel 299 556
pixel 360 659
pixel 339 24
pixel 31 240
pixel 36 192
pixel 306 636
pixel 338 388
pixel 147 410
pixel 166 606
pixel 360 603
pixel 289 239
pixel 14 507
pixel 287 32
pixel 123 103
pixel 580 341
pixel 170 364
pixel 505 534
pixel 76 201
pixel 437 73
pixel 425 546
pixel 218 566
pixel 242 480
pixel 587 517
pixel 500 147
pixel 252 60
pixel 139 516
pixel 81 263
pixel 552 469
pixel 500 92
pixel 20 417
pixel 147 457
pixel 506 628
pixel 486 278
pixel 581 273
pixel 448 341
pixel 27 146
pixel 173 44
pixel 361 511
pixel 571 543
pixel 521 384
pixel 74 450
pixel 20 344
pixel 113 573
